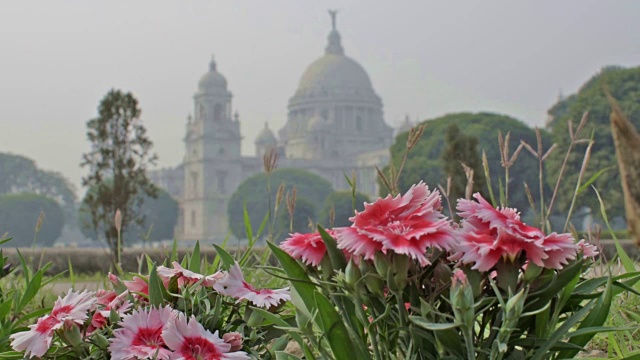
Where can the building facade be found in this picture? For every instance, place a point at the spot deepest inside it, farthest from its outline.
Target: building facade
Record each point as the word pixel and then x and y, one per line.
pixel 335 126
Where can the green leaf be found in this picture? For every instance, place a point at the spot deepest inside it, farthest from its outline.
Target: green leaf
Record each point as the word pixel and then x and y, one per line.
pixel 561 331
pixel 624 257
pixel 594 319
pixel 333 327
pixel 297 275
pixel 593 178
pixel 174 251
pixel 30 292
pixel 227 260
pixel 155 288
pixel 338 260
pixel 247 222
pixel 5 307
pixel 194 263
pixel 2 241
pixel 423 323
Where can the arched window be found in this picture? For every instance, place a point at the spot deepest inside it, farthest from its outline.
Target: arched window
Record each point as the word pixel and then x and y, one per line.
pixel 218 113
pixel 358 123
pixel 193 218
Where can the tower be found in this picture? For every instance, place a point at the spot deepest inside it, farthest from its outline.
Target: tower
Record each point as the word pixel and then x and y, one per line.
pixel 212 163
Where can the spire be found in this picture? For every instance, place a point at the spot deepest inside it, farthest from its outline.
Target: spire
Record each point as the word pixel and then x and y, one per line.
pixel 212 64
pixel 334 46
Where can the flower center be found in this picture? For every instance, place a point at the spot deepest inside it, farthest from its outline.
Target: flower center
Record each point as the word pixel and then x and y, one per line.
pixel 198 348
pixel 148 337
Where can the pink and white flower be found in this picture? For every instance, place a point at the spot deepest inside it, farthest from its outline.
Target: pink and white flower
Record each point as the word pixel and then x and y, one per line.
pixel 234 285
pixel 588 250
pixel 190 340
pixel 108 301
pixel 140 335
pixel 490 234
pixel 137 286
pixel 308 247
pixel 406 225
pixel 185 276
pixel 71 309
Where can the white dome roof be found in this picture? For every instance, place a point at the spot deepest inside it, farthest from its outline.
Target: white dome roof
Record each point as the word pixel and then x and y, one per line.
pixel 334 71
pixel 212 81
pixel 266 136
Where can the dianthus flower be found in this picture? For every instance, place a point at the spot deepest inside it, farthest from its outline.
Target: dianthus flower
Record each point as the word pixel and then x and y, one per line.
pixel 406 225
pixel 234 285
pixel 308 247
pixel 72 309
pixel 190 340
pixel 489 234
pixel 185 276
pixel 140 335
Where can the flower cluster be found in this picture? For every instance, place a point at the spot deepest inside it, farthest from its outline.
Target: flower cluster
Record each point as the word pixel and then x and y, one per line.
pixel 139 330
pixel 412 223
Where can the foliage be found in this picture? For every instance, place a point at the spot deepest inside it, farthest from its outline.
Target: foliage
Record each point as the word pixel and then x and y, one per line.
pixel 624 85
pixel 19 174
pixel 253 194
pixel 423 163
pixel 117 166
pixel 20 215
pixel 461 149
pixel 160 216
pixel 343 204
pixel 92 322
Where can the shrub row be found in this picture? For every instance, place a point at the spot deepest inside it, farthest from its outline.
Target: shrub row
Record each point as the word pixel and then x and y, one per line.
pixel 91 261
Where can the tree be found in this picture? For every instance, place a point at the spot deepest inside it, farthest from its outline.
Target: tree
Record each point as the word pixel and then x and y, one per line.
pixel 19 174
pixel 118 160
pixel 19 214
pixel 461 149
pixel 253 193
pixel 304 211
pixel 160 218
pixel 624 85
pixel 424 159
pixel 342 203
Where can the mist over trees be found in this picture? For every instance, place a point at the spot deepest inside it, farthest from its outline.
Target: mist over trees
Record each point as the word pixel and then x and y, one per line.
pixel 624 85
pixel 425 160
pixel 252 193
pixel 30 219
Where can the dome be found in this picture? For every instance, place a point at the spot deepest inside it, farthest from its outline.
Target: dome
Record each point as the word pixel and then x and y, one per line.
pixel 316 123
pixel 334 71
pixel 212 81
pixel 266 136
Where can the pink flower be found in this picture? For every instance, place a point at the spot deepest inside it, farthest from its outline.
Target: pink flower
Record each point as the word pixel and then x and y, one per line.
pixel 459 278
pixel 233 285
pixel 140 335
pixel 406 225
pixel 489 234
pixel 137 286
pixel 588 250
pixel 72 309
pixel 105 304
pixel 308 247
pixel 185 277
pixel 190 340
pixel 234 339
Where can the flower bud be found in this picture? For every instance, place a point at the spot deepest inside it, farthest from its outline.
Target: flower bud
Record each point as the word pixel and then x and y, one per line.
pixel 352 274
pixel 118 220
pixel 234 339
pixel 461 297
pixel 381 263
pixel 532 272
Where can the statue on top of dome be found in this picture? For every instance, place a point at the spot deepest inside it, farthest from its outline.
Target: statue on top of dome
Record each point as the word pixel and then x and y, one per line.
pixel 333 14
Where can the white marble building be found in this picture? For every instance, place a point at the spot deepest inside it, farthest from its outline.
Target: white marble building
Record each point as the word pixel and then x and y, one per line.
pixel 335 126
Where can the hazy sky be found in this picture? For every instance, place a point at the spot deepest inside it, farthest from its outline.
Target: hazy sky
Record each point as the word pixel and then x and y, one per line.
pixel 425 58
